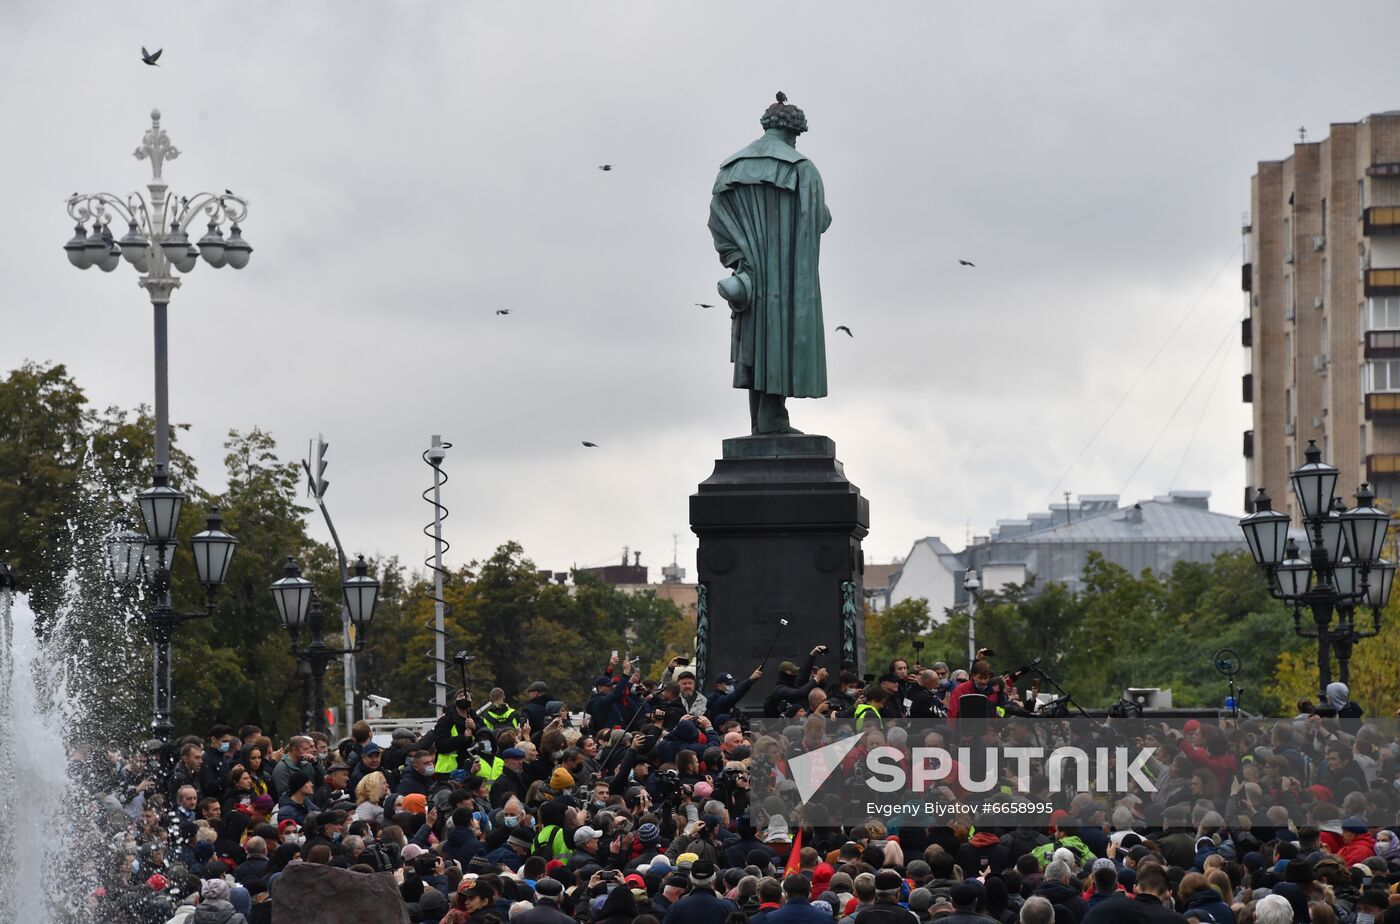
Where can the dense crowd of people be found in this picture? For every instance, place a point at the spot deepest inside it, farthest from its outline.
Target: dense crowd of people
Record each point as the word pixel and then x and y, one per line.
pixel 657 802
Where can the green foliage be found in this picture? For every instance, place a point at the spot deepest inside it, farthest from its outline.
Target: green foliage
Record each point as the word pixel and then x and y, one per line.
pixel 519 626
pixel 1125 631
pixel 891 633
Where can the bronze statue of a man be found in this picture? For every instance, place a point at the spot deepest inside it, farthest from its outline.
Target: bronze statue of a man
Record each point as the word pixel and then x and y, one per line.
pixel 767 215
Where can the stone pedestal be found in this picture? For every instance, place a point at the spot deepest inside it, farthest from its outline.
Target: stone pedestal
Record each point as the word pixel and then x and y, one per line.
pixel 780 529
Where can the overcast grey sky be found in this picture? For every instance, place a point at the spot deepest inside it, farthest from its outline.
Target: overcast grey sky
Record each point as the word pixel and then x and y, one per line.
pixel 412 167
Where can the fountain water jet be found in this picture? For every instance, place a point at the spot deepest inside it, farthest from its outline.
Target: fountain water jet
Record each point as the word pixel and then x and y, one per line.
pixel 43 816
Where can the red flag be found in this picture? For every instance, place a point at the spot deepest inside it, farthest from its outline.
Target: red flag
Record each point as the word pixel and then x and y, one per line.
pixel 794 862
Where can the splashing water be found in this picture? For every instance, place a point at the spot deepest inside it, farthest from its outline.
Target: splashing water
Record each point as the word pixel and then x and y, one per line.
pixel 37 838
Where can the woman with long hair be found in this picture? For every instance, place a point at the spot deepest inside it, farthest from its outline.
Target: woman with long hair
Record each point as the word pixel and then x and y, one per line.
pixel 369 793
pixel 254 758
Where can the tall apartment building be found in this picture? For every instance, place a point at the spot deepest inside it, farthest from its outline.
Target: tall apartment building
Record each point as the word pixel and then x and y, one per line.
pixel 1322 335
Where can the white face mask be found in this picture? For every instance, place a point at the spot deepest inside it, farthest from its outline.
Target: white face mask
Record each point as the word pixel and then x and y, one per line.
pixel 1364 917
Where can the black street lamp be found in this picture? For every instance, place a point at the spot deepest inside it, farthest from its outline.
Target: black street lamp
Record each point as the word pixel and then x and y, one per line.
pixel 135 559
pixel 299 608
pixel 1343 570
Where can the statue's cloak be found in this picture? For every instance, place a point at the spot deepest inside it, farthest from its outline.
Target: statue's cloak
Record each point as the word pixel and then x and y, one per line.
pixel 767 214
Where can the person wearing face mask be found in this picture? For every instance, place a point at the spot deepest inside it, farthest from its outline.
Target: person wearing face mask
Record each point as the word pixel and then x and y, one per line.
pixel 220 754
pixel 330 831
pixel 454 735
pixel 727 694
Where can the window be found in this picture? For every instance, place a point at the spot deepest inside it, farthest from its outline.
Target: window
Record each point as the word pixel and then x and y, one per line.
pixel 1383 375
pixel 1324 215
pixel 1288 410
pixel 1288 305
pixel 1360 202
pixel 1288 356
pixel 1363 441
pixel 1288 236
pixel 1385 312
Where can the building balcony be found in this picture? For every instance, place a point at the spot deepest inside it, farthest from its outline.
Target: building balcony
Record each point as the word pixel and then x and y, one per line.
pixel 1383 344
pixel 1381 219
pixel 1247 276
pixel 1248 387
pixel 1382 465
pixel 1383 405
pixel 1383 170
pixel 1247 332
pixel 1383 281
pixel 1249 444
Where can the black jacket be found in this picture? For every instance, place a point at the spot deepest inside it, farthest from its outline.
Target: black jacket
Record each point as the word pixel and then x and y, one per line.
pixel 885 913
pixel 1062 893
pixel 509 783
pixel 251 869
pixel 925 704
pixel 447 741
pixel 791 690
pixel 1147 909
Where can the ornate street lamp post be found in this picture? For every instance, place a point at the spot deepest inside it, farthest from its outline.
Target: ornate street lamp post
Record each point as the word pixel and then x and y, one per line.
pixel 1344 568
pixel 157 244
pixel 299 608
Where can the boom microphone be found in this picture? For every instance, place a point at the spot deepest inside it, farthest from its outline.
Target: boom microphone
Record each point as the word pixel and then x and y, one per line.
pixel 1025 670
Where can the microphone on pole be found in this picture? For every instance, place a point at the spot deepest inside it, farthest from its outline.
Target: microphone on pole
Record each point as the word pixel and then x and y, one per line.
pixel 1017 675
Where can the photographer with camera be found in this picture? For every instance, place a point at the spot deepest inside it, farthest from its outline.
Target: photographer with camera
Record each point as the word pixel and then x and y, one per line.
pixel 454 735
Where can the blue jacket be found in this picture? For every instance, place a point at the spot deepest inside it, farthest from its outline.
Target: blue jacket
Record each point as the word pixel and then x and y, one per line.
pixel 462 845
pixel 702 906
pixel 724 703
pixel 797 911
pixel 1208 901
pixel 603 708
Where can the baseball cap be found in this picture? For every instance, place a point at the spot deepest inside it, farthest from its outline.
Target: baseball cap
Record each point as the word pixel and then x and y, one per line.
pixel 512 754
pixel 585 834
pixel 725 678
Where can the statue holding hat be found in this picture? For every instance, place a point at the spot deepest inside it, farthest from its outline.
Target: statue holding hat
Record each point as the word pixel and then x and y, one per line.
pixel 767 215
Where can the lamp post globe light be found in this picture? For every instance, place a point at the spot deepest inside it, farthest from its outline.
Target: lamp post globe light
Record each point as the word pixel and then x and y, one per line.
pixel 156 243
pixel 1342 570
pixel 299 607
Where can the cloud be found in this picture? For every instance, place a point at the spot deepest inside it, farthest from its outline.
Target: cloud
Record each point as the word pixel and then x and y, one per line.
pixel 413 168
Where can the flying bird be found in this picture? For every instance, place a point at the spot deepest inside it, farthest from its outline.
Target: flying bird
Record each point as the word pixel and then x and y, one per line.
pixel 845 330
pixel 589 445
pixel 966 263
pixel 149 57
pixel 697 304
pixel 502 311
pixel 605 167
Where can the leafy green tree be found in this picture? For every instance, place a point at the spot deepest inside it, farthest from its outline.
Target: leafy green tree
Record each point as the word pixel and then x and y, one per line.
pixel 890 634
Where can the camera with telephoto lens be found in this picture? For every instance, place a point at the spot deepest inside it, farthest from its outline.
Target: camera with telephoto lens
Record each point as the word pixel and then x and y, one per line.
pixel 668 784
